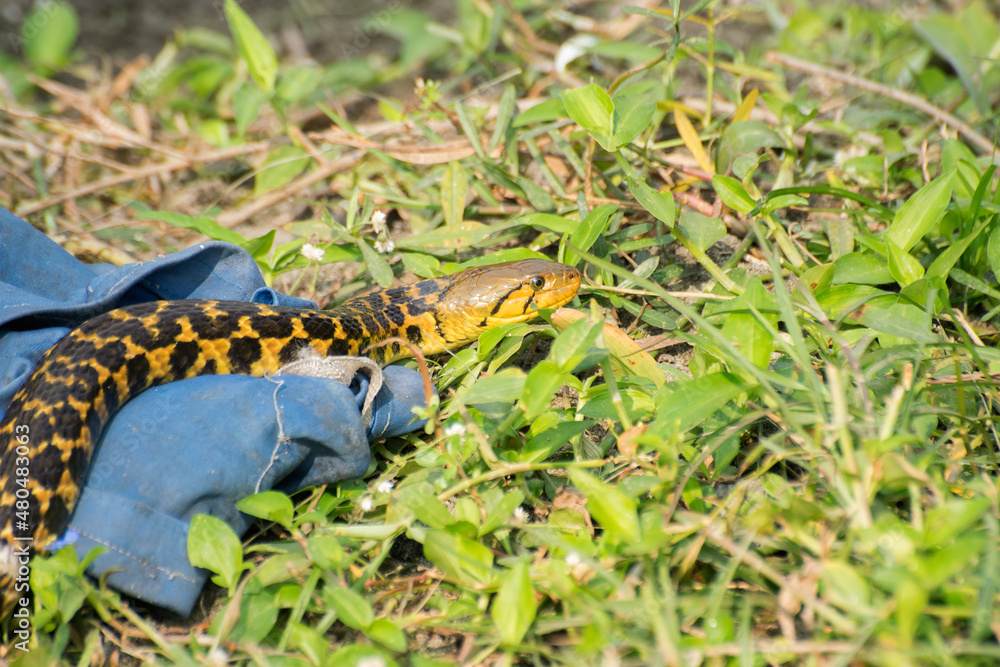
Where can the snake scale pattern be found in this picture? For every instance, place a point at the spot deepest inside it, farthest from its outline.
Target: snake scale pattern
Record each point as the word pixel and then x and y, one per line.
pixel 48 433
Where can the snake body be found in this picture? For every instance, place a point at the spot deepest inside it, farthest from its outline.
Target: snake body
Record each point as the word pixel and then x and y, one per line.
pixel 48 433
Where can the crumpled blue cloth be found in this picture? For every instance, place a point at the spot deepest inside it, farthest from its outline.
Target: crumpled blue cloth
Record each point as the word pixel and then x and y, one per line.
pixel 194 446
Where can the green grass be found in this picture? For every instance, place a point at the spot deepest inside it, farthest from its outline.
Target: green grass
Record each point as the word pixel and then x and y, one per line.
pixel 816 483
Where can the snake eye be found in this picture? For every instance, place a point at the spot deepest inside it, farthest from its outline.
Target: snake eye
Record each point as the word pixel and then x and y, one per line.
pixel 536 282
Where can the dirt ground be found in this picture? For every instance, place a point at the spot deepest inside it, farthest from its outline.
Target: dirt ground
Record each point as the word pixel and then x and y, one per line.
pixel 123 29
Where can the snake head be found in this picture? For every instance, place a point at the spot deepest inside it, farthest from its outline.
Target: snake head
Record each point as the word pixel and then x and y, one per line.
pixel 489 296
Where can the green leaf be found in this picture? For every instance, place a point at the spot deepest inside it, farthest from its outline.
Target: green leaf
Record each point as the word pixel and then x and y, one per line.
pixel 502 512
pixel 460 558
pixel 514 606
pixel 425 266
pixel 660 204
pixel 353 610
pixel 388 634
pixel 209 228
pixel 379 268
pixel 280 166
pixel 772 204
pixel 213 545
pixel 733 194
pixel 546 443
pixel 630 118
pixel 553 223
pixel 543 381
pixel 573 343
pixel 540 113
pixel 270 506
pixel 904 267
pixel 703 231
pixel 504 387
pixel 253 47
pixel 615 511
pixel 454 189
pixel 592 227
pixel 592 109
pixel 48 34
pixel 248 100
pixel 920 213
pixel 684 405
pixel 899 320
pixel 746 136
pixel 943 263
pixel 743 329
pixel 260 246
pixel 861 268
pixel 425 506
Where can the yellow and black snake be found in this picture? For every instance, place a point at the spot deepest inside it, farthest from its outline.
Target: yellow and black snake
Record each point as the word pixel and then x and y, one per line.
pixel 48 434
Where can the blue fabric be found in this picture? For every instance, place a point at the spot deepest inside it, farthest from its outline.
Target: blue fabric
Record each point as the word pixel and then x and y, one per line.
pixel 195 446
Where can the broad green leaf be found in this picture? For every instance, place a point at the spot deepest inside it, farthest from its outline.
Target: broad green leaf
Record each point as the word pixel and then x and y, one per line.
pixel 502 512
pixel 861 268
pixel 743 329
pixel 946 522
pixel 388 634
pixel 904 267
pixel 461 235
pixel 353 609
pixel 573 342
pixel 209 228
pixel 546 443
pixel 684 405
pixel 553 223
pixel 253 47
pixel 48 34
pixel 460 558
pixel 379 268
pixel 309 640
pixel 513 609
pixel 782 201
pixel 425 266
pixel 899 320
pixel 943 263
pixel 920 213
pixel 615 511
pixel 592 227
pixel 993 251
pixel 256 618
pixel 260 246
pixel 746 136
pixel 844 586
pixel 270 506
pixel 733 194
pixel 543 381
pixel 425 506
pixel 505 386
pixel 660 204
pixel 213 545
pixel 592 109
pixel 840 299
pixel 454 188
pixel 701 229
pixel 543 112
pixel 630 118
pixel 280 166
pixel 498 257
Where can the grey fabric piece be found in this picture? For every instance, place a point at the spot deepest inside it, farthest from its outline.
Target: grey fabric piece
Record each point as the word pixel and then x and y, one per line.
pixel 341 369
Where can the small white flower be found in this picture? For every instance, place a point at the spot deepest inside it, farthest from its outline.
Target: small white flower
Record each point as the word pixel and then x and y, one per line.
pixel 385 246
pixel 573 559
pixel 520 516
pixel 218 656
pixel 378 222
pixel 385 486
pixel 312 253
pixel 367 505
pixel 371 661
pixel 454 428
